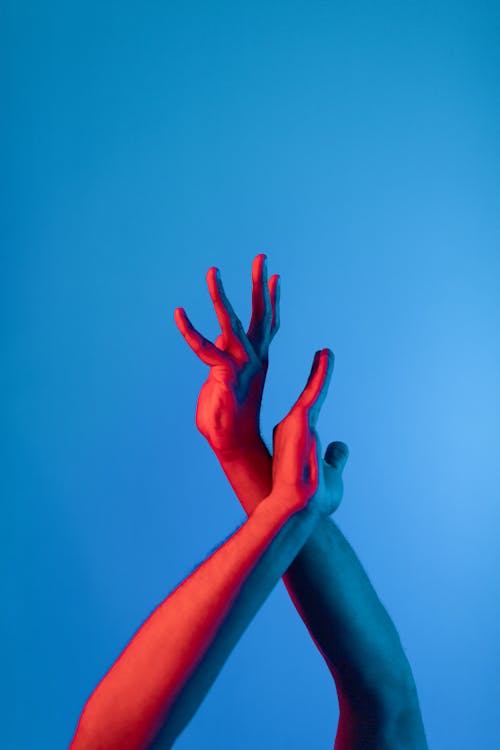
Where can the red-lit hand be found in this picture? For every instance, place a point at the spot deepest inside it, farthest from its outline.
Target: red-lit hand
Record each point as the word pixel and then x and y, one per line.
pixel 228 408
pixel 299 473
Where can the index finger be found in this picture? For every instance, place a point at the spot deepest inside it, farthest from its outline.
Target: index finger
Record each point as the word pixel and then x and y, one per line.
pixel 202 347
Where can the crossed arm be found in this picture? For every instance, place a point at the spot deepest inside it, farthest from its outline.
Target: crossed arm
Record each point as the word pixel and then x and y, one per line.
pixel 155 686
pixel 351 628
pixel 159 680
pixel 331 591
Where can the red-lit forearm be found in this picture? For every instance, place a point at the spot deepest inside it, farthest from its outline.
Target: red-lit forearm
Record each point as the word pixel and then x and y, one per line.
pixel 249 473
pixel 163 674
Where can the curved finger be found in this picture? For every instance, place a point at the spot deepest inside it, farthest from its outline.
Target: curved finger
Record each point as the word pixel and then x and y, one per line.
pixel 324 375
pixel 201 346
pixel 274 293
pixel 232 330
pixel 260 323
pixel 316 388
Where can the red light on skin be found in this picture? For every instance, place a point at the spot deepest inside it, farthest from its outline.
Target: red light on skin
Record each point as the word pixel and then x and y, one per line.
pixel 161 677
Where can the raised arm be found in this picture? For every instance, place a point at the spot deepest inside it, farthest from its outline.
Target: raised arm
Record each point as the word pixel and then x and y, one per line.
pixel 159 680
pixel 330 589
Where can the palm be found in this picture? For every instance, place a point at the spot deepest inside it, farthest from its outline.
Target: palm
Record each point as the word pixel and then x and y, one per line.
pixel 228 407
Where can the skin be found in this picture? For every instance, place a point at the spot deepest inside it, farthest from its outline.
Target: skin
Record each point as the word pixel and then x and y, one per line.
pixel 157 683
pixel 377 696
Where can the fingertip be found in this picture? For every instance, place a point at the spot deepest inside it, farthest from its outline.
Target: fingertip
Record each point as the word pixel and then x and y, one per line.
pixel 337 454
pixel 322 376
pixel 258 267
pixel 179 314
pixel 328 358
pixel 213 280
pixel 346 453
pixel 344 447
pixel 273 286
pixel 182 321
pixel 274 282
pixel 211 273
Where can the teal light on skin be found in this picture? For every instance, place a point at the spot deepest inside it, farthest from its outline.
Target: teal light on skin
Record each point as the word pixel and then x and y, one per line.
pixel 158 682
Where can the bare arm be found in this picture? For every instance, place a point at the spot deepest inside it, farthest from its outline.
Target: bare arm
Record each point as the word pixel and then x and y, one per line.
pixel 330 589
pixel 161 677
pixel 352 629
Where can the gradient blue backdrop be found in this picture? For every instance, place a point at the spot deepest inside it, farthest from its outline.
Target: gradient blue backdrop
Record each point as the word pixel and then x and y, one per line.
pixel 358 145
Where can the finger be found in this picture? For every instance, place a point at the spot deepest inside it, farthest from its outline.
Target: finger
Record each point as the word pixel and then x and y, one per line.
pixel 314 367
pixel 299 403
pixel 336 455
pixel 232 330
pixel 324 376
pixel 314 393
pixel 274 292
pixel 313 463
pixel 260 323
pixel 201 346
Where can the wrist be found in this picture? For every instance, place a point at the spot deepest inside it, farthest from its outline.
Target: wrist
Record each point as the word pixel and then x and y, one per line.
pixel 241 448
pixel 248 468
pixel 290 503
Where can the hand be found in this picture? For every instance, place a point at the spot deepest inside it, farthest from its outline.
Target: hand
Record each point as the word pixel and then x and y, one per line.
pixel 299 473
pixel 228 410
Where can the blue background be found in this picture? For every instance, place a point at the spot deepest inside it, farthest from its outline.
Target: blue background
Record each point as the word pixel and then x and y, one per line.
pixel 357 144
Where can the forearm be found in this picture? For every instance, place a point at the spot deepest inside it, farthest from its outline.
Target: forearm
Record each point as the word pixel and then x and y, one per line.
pixel 339 606
pixel 164 673
pixel 249 472
pixel 358 640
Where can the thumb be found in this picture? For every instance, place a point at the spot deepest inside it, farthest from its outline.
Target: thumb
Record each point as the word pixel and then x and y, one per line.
pixel 336 455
